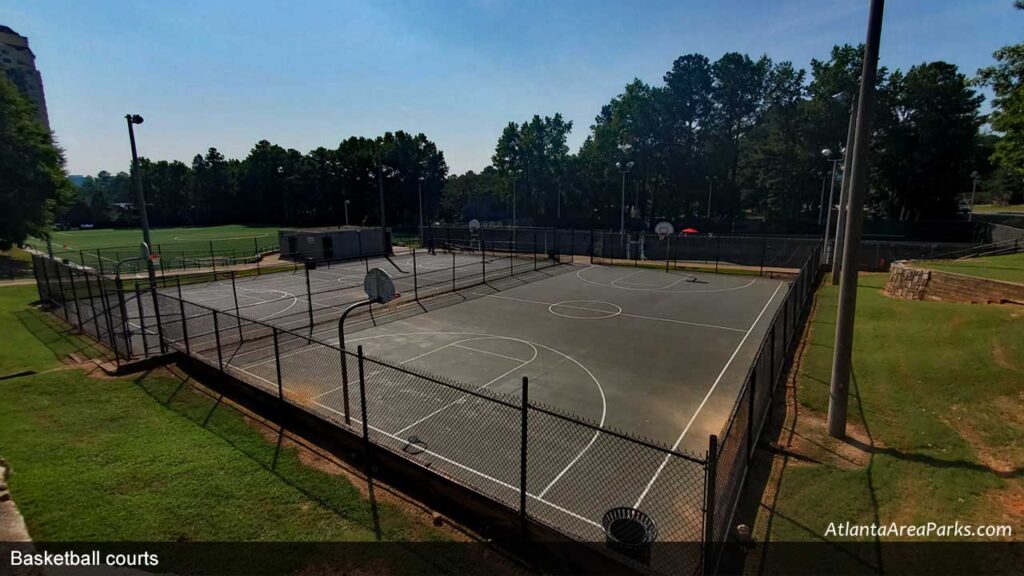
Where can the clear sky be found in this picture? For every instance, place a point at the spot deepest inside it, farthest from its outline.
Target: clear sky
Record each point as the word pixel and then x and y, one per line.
pixel 306 73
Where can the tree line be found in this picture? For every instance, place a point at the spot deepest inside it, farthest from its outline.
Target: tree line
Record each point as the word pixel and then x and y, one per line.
pixel 724 139
pixel 274 185
pixel 739 136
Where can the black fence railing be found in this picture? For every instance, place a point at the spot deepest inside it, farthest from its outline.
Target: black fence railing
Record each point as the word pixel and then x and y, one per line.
pixel 502 446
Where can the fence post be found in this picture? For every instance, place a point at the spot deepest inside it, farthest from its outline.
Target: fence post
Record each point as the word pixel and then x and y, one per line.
pixel 60 286
pixel 751 412
pixel 92 306
pixel 718 251
pixel 100 260
pixel 74 296
pixel 184 322
pixel 238 315
pixel 483 259
pixel 534 250
pixel 124 316
pixel 256 249
pixel 415 278
pixel 277 361
pixel 668 249
pixel 213 259
pixel 362 402
pixel 309 299
pixel 159 320
pixel 216 335
pixel 524 410
pixel 711 470
pixel 591 249
pixel 771 365
pixel 142 320
pixel 764 246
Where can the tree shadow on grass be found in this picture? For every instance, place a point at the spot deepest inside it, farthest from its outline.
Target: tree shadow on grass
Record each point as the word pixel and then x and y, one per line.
pixel 59 337
pixel 319 476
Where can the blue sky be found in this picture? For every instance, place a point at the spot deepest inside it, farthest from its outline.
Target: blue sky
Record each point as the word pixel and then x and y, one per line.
pixel 304 74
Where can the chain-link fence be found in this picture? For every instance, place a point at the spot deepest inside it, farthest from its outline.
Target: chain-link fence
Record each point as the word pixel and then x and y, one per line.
pixel 548 466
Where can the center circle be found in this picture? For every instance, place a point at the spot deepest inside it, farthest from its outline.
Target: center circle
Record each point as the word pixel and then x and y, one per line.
pixel 585 309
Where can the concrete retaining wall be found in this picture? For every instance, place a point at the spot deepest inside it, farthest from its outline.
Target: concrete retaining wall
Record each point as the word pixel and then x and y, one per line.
pixel 909 282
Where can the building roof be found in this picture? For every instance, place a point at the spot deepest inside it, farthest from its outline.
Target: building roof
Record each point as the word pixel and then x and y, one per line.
pixel 322 229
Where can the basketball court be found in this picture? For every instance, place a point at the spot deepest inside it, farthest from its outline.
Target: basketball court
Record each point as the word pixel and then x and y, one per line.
pixel 659 355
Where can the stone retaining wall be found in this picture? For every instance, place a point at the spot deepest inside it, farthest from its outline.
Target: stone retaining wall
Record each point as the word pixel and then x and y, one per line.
pixel 911 283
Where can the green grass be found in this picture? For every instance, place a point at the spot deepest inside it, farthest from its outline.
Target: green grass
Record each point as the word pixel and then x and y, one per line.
pixel 938 390
pixel 172 243
pixel 151 458
pixel 999 208
pixel 1009 267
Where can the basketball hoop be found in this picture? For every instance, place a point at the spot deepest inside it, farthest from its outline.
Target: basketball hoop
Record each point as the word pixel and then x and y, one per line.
pixel 664 230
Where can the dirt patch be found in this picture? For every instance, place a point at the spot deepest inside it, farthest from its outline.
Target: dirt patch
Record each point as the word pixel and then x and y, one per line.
pixel 1001 357
pixel 1009 502
pixel 1000 460
pixel 810 443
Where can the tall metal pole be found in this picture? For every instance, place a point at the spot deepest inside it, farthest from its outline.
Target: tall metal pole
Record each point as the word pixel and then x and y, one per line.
pixel 133 119
pixel 346 212
pixel 380 184
pixel 842 360
pixel 844 196
pixel 828 219
pixel 419 192
pixel 622 204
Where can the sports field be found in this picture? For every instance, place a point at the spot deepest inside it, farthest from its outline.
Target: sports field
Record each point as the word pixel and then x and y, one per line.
pixel 232 236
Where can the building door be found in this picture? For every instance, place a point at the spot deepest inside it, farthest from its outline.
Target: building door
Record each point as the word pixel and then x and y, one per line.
pixel 327 243
pixel 293 245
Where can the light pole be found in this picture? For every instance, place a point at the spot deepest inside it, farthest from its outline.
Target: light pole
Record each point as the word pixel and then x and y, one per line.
pixel 346 212
pixel 827 153
pixel 623 169
pixel 842 358
pixel 380 186
pixel 821 201
pixel 419 192
pixel 844 197
pixel 974 190
pixel 132 120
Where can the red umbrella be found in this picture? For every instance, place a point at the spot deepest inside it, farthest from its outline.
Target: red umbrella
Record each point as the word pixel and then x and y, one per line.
pixel 690 231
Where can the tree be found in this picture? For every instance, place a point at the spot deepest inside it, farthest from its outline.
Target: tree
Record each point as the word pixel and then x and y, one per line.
pixel 35 185
pixel 1006 78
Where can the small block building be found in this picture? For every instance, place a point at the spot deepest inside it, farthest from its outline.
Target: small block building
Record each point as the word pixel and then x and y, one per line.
pixel 333 243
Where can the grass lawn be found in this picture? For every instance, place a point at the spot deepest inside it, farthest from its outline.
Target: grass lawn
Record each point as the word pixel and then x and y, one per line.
pixel 1009 267
pixel 998 208
pixel 150 457
pixel 117 243
pixel 936 428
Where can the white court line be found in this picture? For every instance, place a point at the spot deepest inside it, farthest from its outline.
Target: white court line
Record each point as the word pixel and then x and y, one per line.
pixel 487 352
pixel 655 318
pixel 681 292
pixel 449 460
pixel 707 396
pixel 460 398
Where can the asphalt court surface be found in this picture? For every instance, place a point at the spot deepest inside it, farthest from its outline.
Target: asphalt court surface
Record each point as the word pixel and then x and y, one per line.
pixel 661 355
pixel 280 298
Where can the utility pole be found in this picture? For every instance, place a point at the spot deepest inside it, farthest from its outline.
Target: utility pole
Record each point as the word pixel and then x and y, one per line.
pixel 842 359
pixel 844 195
pixel 133 119
pixel 821 201
pixel 828 219
pixel 380 184
pixel 419 192
pixel 623 169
